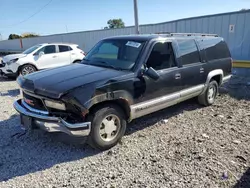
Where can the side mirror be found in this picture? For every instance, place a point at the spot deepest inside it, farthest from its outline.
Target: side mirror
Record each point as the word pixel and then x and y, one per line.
pixel 41 54
pixel 150 72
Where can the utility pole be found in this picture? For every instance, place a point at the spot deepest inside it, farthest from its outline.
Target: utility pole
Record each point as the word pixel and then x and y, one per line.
pixel 137 31
pixel 66 28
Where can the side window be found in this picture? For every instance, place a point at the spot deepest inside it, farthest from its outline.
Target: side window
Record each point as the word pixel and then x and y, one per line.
pixel 107 50
pixel 188 51
pixel 63 48
pixel 48 49
pixel 161 56
pixel 215 48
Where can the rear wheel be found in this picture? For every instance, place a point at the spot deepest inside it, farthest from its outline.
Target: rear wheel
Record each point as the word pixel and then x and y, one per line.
pixel 208 97
pixel 108 127
pixel 27 69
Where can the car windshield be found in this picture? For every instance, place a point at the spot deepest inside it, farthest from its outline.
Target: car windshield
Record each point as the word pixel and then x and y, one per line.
pixel 33 48
pixel 117 54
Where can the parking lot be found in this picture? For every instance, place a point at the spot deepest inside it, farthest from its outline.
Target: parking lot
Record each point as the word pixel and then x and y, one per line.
pixel 183 146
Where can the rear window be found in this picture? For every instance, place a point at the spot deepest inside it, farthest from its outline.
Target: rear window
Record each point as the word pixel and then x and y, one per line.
pixel 214 48
pixel 63 48
pixel 78 47
pixel 188 51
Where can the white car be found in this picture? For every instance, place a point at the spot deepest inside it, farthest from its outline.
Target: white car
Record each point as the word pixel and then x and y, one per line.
pixel 39 57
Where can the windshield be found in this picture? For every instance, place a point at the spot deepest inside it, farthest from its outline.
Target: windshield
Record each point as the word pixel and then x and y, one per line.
pixel 33 48
pixel 115 53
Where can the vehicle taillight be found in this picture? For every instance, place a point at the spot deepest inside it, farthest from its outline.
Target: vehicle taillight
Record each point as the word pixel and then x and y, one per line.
pixel 83 53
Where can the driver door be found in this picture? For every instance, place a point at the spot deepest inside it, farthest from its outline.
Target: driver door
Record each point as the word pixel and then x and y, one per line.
pixel 162 59
pixel 48 59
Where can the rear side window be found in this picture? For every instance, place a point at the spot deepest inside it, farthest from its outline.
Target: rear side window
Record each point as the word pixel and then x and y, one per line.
pixel 215 48
pixel 63 48
pixel 188 51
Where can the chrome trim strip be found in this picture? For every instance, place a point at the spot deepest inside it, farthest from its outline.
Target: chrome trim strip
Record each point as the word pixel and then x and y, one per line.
pixel 192 90
pixel 19 108
pixel 226 78
pixel 150 106
pixel 32 94
pixel 33 109
pixel 58 127
pixel 75 125
pixel 215 73
pixel 212 74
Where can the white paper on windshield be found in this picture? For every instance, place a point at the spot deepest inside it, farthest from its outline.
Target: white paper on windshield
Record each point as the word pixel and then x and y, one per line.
pixel 133 44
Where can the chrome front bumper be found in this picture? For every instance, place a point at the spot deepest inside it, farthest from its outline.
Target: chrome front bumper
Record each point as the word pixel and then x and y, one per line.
pixel 53 124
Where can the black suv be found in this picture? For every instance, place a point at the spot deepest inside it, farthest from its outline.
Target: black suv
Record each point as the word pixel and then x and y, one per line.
pixel 123 78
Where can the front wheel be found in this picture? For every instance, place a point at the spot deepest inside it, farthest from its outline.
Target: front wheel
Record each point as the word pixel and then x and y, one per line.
pixel 208 97
pixel 27 69
pixel 108 127
pixel 77 61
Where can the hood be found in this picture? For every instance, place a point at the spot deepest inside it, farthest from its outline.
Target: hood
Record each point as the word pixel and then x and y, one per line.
pixel 55 82
pixel 7 58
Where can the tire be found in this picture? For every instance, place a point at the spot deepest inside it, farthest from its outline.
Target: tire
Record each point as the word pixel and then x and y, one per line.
pixel 11 77
pixel 108 127
pixel 27 69
pixel 208 97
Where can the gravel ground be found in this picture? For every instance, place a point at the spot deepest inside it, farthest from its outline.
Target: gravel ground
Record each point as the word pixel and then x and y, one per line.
pixel 183 146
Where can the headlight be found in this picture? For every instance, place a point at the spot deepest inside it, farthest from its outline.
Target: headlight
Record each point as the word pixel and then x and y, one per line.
pixel 56 105
pixel 12 61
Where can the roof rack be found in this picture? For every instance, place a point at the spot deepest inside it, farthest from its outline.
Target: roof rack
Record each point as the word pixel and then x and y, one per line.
pixel 188 34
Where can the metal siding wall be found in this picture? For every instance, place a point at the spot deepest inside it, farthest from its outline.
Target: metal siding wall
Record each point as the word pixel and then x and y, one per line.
pixel 245 47
pixel 238 41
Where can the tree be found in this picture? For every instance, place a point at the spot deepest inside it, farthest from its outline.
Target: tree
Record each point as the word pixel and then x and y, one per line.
pixel 29 35
pixel 14 36
pixel 24 35
pixel 244 9
pixel 115 23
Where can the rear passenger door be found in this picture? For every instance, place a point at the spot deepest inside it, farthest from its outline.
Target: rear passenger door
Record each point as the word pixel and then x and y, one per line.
pixel 215 55
pixel 64 55
pixel 192 68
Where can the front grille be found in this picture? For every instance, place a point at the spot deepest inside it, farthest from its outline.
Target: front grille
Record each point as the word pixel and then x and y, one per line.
pixel 34 102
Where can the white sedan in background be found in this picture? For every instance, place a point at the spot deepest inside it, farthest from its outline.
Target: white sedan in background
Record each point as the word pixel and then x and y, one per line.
pixel 39 57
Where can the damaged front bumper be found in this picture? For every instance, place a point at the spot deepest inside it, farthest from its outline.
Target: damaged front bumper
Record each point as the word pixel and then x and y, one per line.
pixel 50 123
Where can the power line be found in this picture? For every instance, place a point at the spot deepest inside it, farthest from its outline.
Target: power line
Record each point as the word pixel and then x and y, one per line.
pixel 31 15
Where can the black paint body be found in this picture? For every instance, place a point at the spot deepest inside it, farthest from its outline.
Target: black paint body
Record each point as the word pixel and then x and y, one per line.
pixel 82 86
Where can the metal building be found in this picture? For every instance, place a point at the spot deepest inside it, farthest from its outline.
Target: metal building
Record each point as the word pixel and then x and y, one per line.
pixel 233 26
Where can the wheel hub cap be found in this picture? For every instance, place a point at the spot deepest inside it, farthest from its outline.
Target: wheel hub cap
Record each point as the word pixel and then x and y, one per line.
pixel 27 70
pixel 109 127
pixel 211 93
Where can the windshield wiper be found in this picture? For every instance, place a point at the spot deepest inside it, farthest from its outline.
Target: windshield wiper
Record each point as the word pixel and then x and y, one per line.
pixel 102 63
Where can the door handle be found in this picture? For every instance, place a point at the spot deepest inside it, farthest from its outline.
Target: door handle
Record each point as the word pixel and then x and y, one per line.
pixel 72 53
pixel 177 76
pixel 201 70
pixel 54 56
